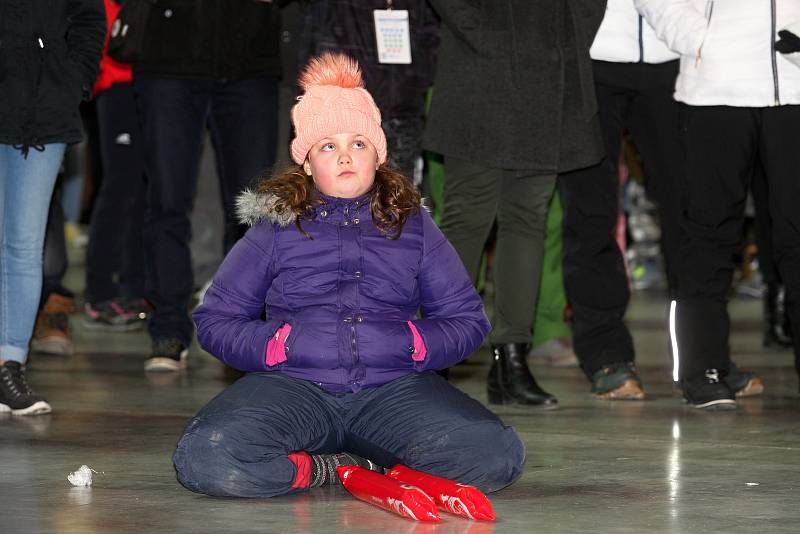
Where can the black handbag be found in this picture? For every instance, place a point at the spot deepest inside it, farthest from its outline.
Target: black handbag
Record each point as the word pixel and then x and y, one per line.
pixel 127 38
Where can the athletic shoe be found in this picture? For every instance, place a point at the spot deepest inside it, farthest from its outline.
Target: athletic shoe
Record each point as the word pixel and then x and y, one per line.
pixel 137 307
pixel 744 383
pixel 618 381
pixel 168 354
pixel 110 316
pixel 709 392
pixel 16 396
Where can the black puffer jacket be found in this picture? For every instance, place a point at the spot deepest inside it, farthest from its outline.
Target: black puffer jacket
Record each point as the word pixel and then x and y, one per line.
pixel 211 39
pixel 49 55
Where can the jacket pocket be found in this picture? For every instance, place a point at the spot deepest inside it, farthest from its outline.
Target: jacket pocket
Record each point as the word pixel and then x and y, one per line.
pixel 313 345
pixel 58 93
pixel 385 344
pixel 15 91
pixel 76 79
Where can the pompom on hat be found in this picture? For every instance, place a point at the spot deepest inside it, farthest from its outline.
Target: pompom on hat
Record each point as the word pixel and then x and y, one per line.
pixel 334 101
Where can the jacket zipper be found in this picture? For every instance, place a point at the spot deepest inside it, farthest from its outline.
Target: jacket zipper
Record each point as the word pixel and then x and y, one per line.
pixel 709 14
pixel 774 56
pixel 641 41
pixel 29 137
pixel 353 347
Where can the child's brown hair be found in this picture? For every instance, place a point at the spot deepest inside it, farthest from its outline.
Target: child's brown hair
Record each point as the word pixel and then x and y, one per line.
pixel 392 197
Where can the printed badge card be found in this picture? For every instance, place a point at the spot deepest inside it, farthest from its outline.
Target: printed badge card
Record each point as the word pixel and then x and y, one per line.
pixel 393 36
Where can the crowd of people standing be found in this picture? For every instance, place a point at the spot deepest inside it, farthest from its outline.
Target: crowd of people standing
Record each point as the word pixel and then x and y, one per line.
pixel 528 99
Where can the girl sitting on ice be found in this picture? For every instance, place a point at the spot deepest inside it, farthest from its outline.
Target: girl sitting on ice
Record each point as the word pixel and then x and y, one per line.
pixel 340 258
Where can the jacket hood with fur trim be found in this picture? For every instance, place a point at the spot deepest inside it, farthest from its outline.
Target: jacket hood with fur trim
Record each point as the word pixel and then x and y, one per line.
pixel 253 207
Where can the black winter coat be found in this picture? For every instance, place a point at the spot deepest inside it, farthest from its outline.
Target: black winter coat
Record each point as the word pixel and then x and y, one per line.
pixel 211 39
pixel 49 57
pixel 514 86
pixel 348 26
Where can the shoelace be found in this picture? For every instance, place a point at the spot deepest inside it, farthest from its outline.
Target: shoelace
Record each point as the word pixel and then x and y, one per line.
pixel 9 382
pixel 15 382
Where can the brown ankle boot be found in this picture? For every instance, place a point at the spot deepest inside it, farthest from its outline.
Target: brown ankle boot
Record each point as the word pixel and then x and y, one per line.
pixel 51 333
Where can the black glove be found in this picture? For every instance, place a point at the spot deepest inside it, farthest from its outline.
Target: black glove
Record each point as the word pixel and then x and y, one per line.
pixel 788 42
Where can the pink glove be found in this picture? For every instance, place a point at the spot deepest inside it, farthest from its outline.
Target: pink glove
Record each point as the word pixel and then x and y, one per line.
pixel 419 345
pixel 276 348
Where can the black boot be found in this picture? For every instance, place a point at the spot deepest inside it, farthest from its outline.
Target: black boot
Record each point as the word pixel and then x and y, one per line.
pixel 777 329
pixel 511 382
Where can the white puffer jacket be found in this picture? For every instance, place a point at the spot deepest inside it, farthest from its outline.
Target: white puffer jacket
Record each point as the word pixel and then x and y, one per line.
pixel 727 50
pixel 625 37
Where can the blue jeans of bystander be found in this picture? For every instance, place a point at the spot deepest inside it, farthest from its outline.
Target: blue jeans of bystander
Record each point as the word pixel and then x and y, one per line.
pixel 26 185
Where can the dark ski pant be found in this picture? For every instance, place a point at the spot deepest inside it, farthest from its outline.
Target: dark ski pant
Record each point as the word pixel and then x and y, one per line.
pixel 636 96
pixel 723 145
pixel 237 445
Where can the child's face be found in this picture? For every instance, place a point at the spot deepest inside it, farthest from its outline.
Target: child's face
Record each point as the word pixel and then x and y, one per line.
pixel 342 165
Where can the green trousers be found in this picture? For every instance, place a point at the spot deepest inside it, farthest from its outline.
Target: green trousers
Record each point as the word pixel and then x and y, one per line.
pixel 551 302
pixel 549 322
pixel 475 197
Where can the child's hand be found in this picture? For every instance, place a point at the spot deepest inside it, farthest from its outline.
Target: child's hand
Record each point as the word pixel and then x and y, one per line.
pixel 276 348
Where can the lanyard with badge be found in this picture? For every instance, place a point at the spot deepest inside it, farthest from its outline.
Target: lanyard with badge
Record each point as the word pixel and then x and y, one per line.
pixel 392 34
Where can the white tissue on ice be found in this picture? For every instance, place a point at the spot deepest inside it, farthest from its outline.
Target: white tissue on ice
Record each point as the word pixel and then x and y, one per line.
pixel 81 477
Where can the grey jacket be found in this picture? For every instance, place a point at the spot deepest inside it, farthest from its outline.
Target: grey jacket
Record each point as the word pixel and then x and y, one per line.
pixel 514 86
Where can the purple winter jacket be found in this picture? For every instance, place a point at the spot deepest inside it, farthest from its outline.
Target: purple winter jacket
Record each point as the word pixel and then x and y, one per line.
pixel 347 293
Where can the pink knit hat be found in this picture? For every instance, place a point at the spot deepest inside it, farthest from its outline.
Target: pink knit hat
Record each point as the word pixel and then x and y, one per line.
pixel 334 102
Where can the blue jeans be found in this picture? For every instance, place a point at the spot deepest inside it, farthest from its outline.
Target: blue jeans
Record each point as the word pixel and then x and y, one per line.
pixel 238 445
pixel 26 185
pixel 241 117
